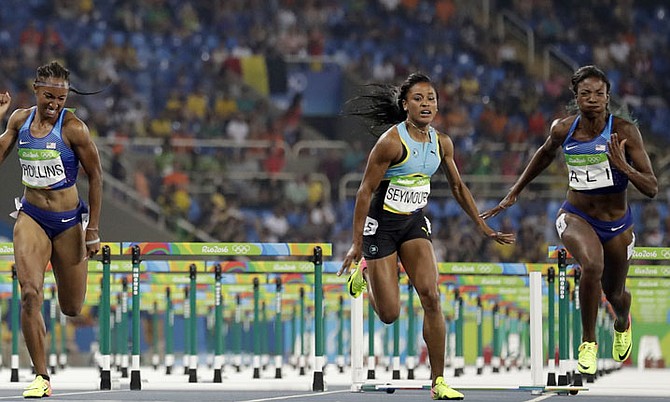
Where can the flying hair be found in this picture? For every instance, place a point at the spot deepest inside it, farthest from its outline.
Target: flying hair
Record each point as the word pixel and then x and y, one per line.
pixel 381 104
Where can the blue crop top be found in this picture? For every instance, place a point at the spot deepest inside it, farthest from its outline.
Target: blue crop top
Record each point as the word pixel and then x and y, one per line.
pixel 47 162
pixel 589 170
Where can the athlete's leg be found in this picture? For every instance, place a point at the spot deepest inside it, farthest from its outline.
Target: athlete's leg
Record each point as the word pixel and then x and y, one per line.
pixel 32 249
pixel 70 267
pixel 614 277
pixel 418 259
pixel 583 243
pixel 383 290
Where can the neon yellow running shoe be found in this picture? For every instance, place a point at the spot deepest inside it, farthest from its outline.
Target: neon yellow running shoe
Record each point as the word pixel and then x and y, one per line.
pixel 356 282
pixel 588 356
pixel 623 343
pixel 38 388
pixel 441 391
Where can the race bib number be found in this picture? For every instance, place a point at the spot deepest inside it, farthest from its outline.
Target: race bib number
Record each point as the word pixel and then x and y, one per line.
pixel 41 168
pixel 588 172
pixel 407 194
pixel 370 227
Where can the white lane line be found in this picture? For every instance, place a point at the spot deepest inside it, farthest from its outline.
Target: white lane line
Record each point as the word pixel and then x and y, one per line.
pixel 314 395
pixel 59 394
pixel 541 398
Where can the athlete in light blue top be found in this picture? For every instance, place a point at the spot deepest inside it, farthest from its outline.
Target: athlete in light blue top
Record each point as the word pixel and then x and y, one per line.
pixel 50 219
pixel 602 153
pixel 389 224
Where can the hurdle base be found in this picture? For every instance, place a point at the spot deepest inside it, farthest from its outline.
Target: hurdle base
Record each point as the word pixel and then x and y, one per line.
pixel 15 375
pixel 192 375
pixel 217 375
pixel 105 380
pixel 135 382
pixel 317 382
pixel 168 370
pixel 551 379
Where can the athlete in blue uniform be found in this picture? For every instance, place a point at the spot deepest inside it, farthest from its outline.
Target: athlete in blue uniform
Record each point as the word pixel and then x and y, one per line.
pixel 389 223
pixel 603 153
pixel 51 218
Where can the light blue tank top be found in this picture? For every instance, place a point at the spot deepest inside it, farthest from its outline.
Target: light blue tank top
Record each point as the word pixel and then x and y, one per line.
pixel 419 157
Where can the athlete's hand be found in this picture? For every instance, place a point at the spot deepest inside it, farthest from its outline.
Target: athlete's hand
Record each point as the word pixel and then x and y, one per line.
pixel 502 238
pixel 506 202
pixel 92 239
pixel 353 256
pixel 5 101
pixel 616 152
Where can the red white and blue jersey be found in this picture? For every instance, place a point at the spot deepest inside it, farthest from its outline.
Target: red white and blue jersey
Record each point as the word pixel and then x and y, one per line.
pixel 589 170
pixel 47 162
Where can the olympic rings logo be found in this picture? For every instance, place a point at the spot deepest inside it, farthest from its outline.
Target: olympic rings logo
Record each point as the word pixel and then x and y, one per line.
pixel 593 159
pixel 666 253
pixel 666 271
pixel 241 249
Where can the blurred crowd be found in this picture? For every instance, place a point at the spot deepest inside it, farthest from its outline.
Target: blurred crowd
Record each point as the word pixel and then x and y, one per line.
pixel 172 71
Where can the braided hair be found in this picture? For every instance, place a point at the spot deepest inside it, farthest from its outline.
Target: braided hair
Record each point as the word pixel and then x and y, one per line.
pixel 55 70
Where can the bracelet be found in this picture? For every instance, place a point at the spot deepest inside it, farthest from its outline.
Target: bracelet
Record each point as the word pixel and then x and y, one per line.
pixel 92 229
pixel 92 242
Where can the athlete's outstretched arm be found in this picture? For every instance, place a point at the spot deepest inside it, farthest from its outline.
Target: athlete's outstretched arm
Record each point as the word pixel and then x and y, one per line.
pixel 463 195
pixel 542 158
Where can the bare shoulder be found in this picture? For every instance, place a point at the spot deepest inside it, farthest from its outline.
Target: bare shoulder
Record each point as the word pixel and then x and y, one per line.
pixel 73 123
pixel 75 131
pixel 561 126
pixel 18 117
pixel 445 141
pixel 624 127
pixel 389 145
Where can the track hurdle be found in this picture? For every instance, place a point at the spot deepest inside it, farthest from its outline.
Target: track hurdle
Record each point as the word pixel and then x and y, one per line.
pixel 642 280
pixel 506 317
pixel 147 251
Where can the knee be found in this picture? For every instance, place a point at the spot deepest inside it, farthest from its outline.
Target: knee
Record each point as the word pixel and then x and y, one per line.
pixel 31 299
pixel 591 269
pixel 71 310
pixel 389 315
pixel 430 300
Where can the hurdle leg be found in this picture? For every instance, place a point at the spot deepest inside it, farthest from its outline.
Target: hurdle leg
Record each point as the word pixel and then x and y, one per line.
pixel 536 354
pixel 356 344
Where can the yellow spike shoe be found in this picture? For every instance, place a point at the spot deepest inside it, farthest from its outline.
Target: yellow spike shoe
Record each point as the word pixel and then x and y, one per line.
pixel 356 282
pixel 38 388
pixel 623 343
pixel 588 356
pixel 441 391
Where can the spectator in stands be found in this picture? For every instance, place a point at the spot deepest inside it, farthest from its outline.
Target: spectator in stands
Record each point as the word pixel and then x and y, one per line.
pixel 389 222
pixel 53 224
pixel 603 153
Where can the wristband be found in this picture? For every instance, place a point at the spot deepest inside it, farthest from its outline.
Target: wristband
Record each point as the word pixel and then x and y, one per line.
pixel 92 229
pixel 92 242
